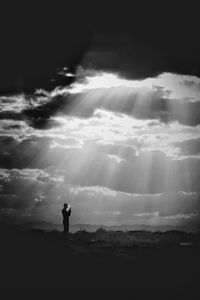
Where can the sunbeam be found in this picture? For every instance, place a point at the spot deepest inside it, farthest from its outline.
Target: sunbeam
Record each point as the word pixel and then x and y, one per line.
pixel 116 154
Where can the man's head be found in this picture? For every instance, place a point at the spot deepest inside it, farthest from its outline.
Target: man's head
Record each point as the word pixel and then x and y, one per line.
pixel 65 206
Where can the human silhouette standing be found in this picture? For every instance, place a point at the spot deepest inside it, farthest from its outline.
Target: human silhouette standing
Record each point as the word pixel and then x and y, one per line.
pixel 66 212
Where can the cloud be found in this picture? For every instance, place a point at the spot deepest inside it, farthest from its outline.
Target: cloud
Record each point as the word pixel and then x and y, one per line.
pixel 33 111
pixel 146 215
pixel 139 102
pixel 189 147
pixel 33 192
pixel 28 189
pixel 68 143
pixel 92 190
pixel 96 205
pixel 138 165
pixel 19 154
pixel 183 216
pixel 39 116
pixel 150 99
pixel 116 158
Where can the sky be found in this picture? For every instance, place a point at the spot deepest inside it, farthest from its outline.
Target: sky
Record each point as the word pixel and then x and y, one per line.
pixel 100 108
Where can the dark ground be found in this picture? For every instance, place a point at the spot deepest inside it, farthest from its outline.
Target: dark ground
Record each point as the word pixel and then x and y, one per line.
pixel 38 264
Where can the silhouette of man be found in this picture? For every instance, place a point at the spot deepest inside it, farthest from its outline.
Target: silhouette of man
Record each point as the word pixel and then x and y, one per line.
pixel 66 212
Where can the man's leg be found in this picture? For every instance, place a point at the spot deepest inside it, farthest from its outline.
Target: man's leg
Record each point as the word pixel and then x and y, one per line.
pixel 67 228
pixel 64 227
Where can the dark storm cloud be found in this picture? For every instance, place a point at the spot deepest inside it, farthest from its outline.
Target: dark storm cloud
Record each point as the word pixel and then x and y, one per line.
pixel 125 56
pixel 152 37
pixel 134 58
pixel 158 38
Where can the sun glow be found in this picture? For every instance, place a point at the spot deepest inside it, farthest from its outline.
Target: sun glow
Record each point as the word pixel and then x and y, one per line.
pixel 108 80
pixel 173 85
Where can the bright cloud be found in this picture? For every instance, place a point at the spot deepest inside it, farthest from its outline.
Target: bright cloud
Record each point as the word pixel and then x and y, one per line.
pixel 173 85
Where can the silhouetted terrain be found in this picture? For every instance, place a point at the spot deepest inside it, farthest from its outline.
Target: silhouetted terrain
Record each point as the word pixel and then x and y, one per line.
pixel 102 263
pixel 93 227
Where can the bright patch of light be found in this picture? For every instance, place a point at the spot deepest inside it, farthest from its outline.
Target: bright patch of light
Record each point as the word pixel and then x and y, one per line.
pixel 108 80
pixel 172 85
